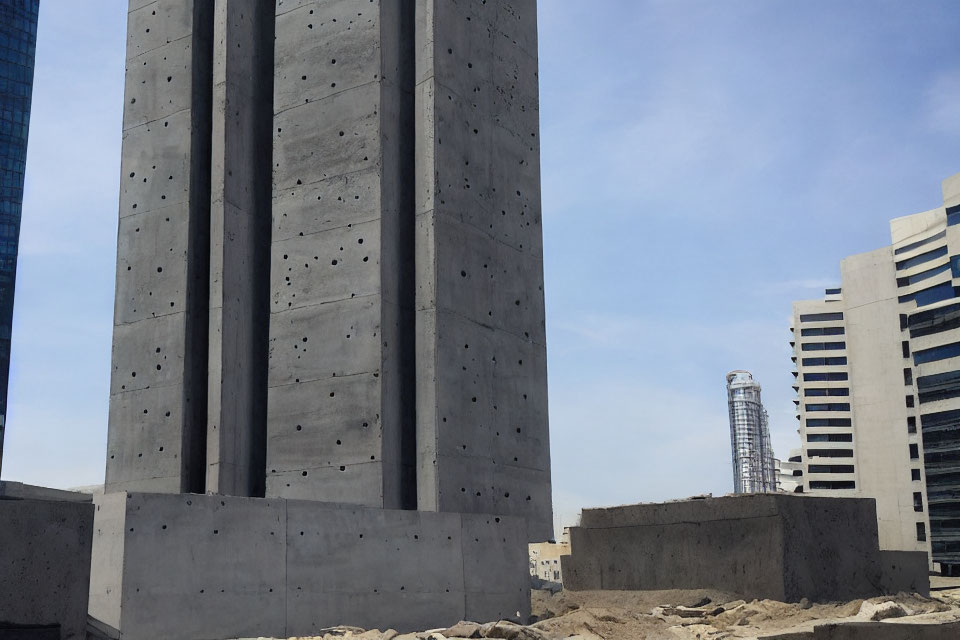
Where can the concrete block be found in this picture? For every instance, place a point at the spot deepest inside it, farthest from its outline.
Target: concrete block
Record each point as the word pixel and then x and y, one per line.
pixel 194 566
pixel 905 572
pixel 45 548
pixel 782 547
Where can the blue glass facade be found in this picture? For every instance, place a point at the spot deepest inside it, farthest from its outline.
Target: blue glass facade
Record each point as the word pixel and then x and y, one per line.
pixel 18 39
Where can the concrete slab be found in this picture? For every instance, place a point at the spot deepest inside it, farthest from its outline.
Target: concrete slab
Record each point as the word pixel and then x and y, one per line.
pixel 45 550
pixel 193 566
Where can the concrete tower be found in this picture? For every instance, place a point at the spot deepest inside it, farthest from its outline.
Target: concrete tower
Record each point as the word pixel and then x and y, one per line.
pixel 377 286
pixel 330 280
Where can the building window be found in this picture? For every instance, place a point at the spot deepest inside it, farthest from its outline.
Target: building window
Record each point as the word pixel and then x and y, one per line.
pixel 921 532
pixel 909 402
pixel 934 294
pixel 919 243
pixel 917 501
pixel 920 277
pixel 823 346
pixel 829 437
pixel 822 331
pixel 908 376
pixel 911 424
pixel 953 215
pixel 831 453
pixel 830 468
pixel 833 376
pixel 940 386
pixel 832 406
pixel 937 353
pixel 833 484
pixel 828 422
pixel 824 317
pixel 934 321
pixel 820 362
pixel 915 475
pixel 914 452
pixel 905 346
pixel 922 258
pixel 822 392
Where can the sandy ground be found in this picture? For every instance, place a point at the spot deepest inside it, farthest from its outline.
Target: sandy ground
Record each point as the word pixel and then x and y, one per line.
pixel 680 615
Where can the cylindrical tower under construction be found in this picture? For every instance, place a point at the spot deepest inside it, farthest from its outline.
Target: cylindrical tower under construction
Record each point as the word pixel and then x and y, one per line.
pixel 753 465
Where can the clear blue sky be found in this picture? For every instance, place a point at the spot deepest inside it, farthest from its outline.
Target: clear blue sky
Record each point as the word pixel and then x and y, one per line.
pixel 704 164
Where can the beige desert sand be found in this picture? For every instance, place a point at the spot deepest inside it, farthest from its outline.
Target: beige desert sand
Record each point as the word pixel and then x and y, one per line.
pixel 683 615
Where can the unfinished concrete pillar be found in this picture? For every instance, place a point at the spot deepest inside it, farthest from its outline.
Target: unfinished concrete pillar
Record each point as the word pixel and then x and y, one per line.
pixel 341 378
pixel 482 428
pixel 240 246
pixel 157 429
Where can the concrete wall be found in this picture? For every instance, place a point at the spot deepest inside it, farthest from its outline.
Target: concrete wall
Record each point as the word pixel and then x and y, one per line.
pixel 340 414
pixel 157 428
pixel 214 567
pixel 482 427
pixel 782 547
pixel 45 564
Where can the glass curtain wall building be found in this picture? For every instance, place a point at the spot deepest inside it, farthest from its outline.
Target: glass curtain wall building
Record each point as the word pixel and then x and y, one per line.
pixel 18 39
pixel 754 469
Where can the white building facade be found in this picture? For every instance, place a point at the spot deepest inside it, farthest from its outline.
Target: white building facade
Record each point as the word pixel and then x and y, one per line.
pixel 878 383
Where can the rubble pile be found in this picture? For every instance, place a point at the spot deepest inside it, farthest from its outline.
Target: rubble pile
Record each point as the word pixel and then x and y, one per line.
pixel 675 615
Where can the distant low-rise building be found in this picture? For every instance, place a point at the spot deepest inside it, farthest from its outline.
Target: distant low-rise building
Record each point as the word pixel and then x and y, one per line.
pixel 545 559
pixel 790 473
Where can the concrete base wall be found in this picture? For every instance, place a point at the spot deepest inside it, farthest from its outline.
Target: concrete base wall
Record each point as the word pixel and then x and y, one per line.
pixel 782 547
pixel 45 564
pixel 905 571
pixel 212 567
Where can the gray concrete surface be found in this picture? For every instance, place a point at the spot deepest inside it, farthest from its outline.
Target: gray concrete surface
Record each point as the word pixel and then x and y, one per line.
pixel 157 424
pixel 778 546
pixel 482 427
pixel 905 571
pixel 341 424
pixel 240 215
pixel 45 547
pixel 283 366
pixel 405 359
pixel 19 491
pixel 192 566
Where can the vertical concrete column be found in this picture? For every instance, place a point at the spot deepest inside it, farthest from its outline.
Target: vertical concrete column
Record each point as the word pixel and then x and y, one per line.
pixel 340 407
pixel 240 212
pixel 157 429
pixel 482 429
